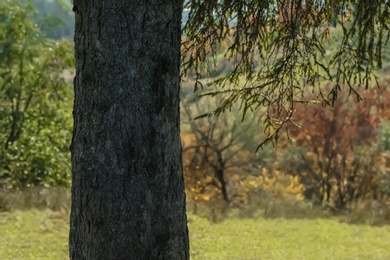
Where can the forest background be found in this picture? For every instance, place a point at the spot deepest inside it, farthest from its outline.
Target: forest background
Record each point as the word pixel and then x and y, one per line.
pixel 336 162
pixel 336 158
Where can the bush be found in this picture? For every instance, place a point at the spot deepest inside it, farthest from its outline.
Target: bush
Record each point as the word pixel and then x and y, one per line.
pixel 383 137
pixel 35 102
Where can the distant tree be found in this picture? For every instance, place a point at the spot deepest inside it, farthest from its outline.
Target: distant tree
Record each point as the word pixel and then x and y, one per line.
pixel 55 18
pixel 345 163
pixel 35 124
pixel 128 197
pixel 218 143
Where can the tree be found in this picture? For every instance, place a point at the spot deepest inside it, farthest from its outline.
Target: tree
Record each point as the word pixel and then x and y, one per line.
pixel 218 146
pixel 34 119
pixel 128 199
pixel 55 18
pixel 128 196
pixel 279 52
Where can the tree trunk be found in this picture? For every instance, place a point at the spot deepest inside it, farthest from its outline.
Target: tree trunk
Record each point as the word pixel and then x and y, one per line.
pixel 128 199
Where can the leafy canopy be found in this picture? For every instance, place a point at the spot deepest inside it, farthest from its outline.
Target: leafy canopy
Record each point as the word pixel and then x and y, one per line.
pixel 278 49
pixel 35 118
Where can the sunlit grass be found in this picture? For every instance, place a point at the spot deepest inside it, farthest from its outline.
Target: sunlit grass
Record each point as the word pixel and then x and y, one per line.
pixel 287 239
pixel 34 234
pixel 43 234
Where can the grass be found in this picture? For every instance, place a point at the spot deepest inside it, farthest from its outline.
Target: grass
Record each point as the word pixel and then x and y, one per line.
pixel 287 239
pixel 33 234
pixel 42 234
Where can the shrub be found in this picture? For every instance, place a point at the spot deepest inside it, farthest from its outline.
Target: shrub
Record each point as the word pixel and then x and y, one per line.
pixel 383 136
pixel 35 102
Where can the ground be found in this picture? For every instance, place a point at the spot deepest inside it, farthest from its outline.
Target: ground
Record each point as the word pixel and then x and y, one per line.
pixel 43 234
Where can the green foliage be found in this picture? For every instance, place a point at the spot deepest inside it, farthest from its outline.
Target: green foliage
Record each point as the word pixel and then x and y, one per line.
pixel 55 18
pixel 294 160
pixel 383 137
pixel 384 185
pixel 279 50
pixel 35 117
pixel 383 145
pixel 266 156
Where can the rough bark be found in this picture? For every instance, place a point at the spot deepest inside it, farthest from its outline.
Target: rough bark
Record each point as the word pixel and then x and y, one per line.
pixel 128 199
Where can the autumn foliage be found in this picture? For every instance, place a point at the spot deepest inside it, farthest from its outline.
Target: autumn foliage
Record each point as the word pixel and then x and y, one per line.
pixel 346 163
pixel 338 157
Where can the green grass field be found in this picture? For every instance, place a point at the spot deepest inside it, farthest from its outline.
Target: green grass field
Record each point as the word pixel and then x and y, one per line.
pixel 36 234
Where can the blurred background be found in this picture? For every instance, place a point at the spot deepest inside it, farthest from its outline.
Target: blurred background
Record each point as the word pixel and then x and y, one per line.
pixel 331 184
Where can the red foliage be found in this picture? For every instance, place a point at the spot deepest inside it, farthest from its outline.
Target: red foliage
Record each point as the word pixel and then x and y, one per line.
pixel 332 134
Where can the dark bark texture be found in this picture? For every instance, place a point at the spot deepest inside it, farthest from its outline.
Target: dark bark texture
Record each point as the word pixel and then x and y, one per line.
pixel 128 199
